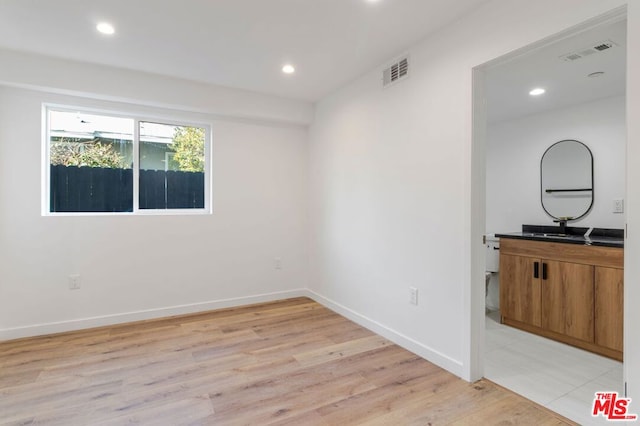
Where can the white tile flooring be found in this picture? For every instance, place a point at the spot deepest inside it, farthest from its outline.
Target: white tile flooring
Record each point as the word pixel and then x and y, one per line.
pixel 557 376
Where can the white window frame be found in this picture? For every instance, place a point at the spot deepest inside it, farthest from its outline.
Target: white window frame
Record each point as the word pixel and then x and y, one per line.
pixel 167 159
pixel 137 119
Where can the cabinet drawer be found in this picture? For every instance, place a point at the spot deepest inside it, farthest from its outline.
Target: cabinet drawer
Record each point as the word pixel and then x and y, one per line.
pixel 610 257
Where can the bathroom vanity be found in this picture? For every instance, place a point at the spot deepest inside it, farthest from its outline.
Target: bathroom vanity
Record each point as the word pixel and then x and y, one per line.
pixel 565 283
pixel 564 286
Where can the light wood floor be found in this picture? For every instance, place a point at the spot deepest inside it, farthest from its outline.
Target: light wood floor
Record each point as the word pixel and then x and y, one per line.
pixel 292 362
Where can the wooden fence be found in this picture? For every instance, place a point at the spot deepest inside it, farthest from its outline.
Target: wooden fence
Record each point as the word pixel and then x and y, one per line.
pixel 96 189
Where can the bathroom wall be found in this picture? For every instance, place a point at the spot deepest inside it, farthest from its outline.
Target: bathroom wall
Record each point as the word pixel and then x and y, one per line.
pixel 514 150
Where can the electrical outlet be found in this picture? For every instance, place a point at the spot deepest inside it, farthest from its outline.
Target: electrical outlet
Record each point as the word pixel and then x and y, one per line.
pixel 74 282
pixel 277 263
pixel 413 295
pixel 618 206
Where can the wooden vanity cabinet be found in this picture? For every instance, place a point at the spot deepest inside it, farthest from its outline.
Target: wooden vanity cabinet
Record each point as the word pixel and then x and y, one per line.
pixel 567 306
pixel 608 308
pixel 520 299
pixel 568 292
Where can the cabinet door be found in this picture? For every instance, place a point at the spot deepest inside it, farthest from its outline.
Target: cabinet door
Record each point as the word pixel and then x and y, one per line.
pixel 567 299
pixel 519 290
pixel 609 307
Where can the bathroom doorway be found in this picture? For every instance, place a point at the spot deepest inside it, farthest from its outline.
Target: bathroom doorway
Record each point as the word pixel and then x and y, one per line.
pixel 583 75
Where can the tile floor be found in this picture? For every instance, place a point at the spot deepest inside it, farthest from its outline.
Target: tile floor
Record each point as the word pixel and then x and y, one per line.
pixel 560 377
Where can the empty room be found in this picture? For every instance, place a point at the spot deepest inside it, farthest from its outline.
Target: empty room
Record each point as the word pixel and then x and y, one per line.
pixel 381 212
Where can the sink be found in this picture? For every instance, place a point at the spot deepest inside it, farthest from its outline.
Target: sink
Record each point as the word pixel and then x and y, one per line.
pixel 554 235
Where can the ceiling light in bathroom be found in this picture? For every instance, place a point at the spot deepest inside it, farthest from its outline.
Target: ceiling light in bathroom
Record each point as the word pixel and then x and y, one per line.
pixel 288 69
pixel 537 91
pixel 105 28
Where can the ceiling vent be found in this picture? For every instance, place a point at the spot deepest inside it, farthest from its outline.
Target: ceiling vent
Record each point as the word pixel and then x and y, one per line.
pixel 587 51
pixel 395 72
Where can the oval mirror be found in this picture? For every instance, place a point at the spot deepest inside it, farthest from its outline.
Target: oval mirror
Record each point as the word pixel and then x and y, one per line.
pixel 566 175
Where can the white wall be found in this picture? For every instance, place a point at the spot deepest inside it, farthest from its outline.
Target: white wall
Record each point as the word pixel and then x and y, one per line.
pixel 135 267
pixel 514 150
pixel 32 71
pixel 391 184
pixel 632 242
pixel 391 193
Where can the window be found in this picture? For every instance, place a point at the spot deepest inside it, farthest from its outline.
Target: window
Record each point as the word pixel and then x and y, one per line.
pixel 99 163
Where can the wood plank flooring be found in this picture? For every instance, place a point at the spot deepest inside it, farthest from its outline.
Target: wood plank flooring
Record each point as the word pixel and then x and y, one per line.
pixel 291 362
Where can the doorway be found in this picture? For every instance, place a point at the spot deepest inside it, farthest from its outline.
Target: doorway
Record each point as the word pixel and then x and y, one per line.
pixel 584 99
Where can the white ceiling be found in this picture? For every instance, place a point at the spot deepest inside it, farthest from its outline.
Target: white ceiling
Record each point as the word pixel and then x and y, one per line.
pixel 566 83
pixel 234 43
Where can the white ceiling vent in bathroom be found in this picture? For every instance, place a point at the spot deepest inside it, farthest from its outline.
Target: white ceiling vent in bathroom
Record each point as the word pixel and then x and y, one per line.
pixel 395 72
pixel 587 51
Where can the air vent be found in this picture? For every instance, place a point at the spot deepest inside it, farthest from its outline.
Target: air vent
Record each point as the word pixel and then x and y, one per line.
pixel 587 51
pixel 395 72
pixel 603 46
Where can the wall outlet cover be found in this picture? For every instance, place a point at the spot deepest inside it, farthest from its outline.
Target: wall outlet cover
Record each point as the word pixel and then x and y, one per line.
pixel 74 282
pixel 413 295
pixel 618 206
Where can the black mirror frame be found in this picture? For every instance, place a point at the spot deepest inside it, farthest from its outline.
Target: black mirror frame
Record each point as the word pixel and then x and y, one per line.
pixel 542 191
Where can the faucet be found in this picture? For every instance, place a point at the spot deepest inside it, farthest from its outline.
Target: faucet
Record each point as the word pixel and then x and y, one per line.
pixel 563 224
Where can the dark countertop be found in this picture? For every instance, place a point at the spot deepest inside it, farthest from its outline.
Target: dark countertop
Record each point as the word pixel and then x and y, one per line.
pixel 573 235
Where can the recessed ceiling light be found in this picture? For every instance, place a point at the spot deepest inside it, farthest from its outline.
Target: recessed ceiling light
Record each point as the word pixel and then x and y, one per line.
pixel 288 69
pixel 537 91
pixel 596 74
pixel 105 28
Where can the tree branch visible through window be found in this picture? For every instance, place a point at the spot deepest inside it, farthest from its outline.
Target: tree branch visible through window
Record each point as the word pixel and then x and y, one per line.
pixel 83 153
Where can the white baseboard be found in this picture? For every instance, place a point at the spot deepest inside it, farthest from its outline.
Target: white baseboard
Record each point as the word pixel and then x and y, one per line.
pixel 92 322
pixel 405 342
pixel 431 355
